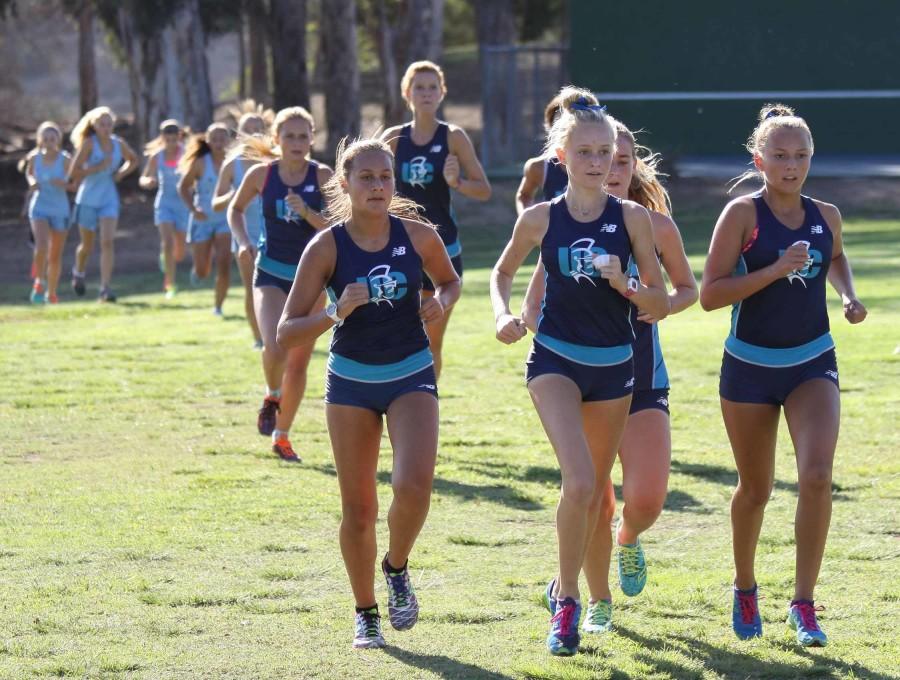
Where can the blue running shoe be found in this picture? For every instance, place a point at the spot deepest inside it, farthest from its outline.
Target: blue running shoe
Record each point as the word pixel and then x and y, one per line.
pixel 802 618
pixel 37 295
pixel 403 607
pixel 563 639
pixel 547 598
pixel 368 630
pixel 632 568
pixel 598 617
pixel 745 614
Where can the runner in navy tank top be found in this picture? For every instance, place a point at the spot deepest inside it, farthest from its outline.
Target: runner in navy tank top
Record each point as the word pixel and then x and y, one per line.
pixel 646 448
pixel 543 178
pixel 230 178
pixel 170 215
pixel 432 158
pixel 379 365
pixel 580 373
pixel 288 186
pixel 770 255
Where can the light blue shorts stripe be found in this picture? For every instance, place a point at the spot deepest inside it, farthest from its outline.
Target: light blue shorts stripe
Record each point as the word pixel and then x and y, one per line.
pixel 778 357
pixel 582 354
pixel 280 269
pixel 454 249
pixel 376 373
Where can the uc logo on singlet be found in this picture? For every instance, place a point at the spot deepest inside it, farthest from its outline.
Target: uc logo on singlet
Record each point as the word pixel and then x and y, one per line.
pixel 284 212
pixel 577 261
pixel 809 271
pixel 385 285
pixel 417 171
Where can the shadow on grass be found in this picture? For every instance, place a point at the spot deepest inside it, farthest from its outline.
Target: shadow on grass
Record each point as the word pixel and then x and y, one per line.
pixel 728 476
pixel 495 493
pixel 731 663
pixel 443 666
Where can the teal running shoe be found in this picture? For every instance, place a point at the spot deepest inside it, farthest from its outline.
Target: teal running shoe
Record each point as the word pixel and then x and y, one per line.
pixel 403 607
pixel 802 618
pixel 745 613
pixel 564 639
pixel 547 598
pixel 37 295
pixel 598 617
pixel 632 567
pixel 368 630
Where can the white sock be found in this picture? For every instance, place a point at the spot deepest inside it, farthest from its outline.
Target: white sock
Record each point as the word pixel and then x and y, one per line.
pixel 280 434
pixel 273 393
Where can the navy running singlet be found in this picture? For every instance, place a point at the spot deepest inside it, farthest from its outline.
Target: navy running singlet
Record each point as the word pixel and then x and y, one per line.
pixel 582 317
pixel 649 366
pixel 785 323
pixel 386 333
pixel 556 179
pixel 421 178
pixel 285 235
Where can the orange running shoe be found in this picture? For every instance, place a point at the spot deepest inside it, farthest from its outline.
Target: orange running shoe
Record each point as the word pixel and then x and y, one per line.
pixel 283 448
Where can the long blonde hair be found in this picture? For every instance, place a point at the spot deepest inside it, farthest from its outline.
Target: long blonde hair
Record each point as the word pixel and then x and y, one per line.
pixel 645 188
pixel 250 108
pixel 263 148
pixel 22 165
pixel 338 208
pixel 84 128
pixel 576 105
pixel 771 117
pixel 197 147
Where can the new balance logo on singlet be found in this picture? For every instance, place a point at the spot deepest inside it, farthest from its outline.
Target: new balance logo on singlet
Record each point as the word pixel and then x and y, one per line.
pixel 435 149
pixel 384 285
pixel 609 228
pixel 417 171
pixel 832 374
pixel 577 261
pixel 399 250
pixel 816 229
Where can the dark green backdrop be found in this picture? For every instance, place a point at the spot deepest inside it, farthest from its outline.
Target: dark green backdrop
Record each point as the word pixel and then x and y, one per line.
pixel 731 45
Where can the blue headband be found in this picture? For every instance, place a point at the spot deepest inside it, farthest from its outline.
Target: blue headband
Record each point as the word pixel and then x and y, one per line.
pixel 774 113
pixel 582 105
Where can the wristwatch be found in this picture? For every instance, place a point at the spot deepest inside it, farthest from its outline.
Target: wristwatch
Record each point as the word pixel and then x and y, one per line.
pixel 331 311
pixel 631 287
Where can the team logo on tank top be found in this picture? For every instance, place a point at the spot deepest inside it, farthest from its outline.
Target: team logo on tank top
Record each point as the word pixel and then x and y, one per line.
pixel 577 261
pixel 385 285
pixel 810 270
pixel 417 171
pixel 284 212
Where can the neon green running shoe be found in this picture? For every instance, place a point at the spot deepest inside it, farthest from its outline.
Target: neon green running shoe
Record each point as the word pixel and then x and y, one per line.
pixel 598 618
pixel 632 567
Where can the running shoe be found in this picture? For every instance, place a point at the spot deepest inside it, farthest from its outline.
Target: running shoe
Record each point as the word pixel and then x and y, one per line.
pixel 78 284
pixel 368 630
pixel 37 295
pixel 52 300
pixel 106 295
pixel 265 421
pixel 802 618
pixel 598 617
pixel 171 291
pixel 632 566
pixel 162 262
pixel 547 598
pixel 403 607
pixel 563 639
pixel 282 446
pixel 217 311
pixel 258 344
pixel 745 614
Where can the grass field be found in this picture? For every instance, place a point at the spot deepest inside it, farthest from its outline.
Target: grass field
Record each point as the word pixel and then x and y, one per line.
pixel 147 532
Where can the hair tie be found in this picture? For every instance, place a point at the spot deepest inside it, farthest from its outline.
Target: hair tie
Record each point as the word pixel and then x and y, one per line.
pixel 581 104
pixel 774 113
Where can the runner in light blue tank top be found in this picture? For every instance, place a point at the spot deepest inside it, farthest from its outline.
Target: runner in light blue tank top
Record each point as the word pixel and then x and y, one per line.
pixel 170 215
pixel 208 230
pixel 101 160
pixel 46 169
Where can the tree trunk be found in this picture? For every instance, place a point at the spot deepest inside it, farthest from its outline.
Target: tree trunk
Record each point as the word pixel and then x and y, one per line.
pixel 143 56
pixel 425 27
pixel 242 57
pixel 190 48
pixel 495 22
pixel 392 101
pixel 496 26
pixel 259 63
pixel 87 65
pixel 342 102
pixel 288 41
